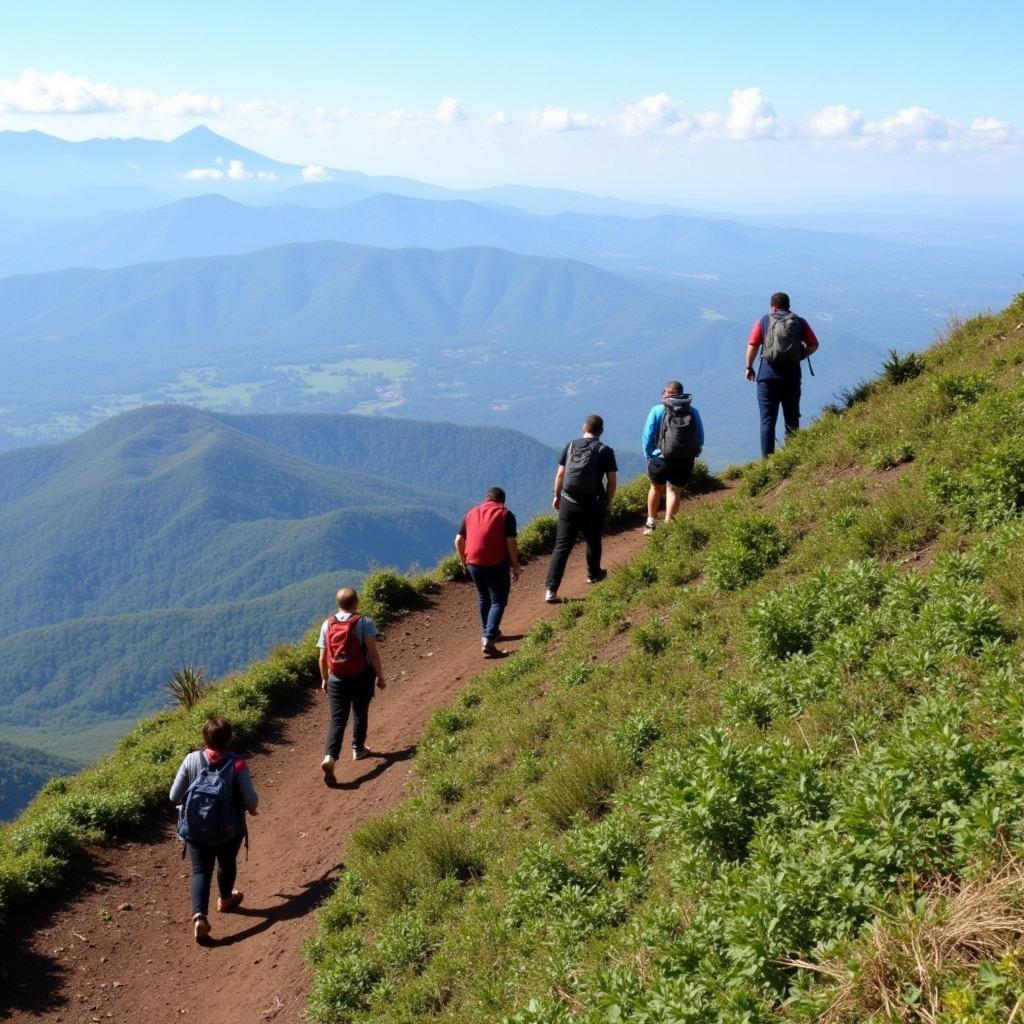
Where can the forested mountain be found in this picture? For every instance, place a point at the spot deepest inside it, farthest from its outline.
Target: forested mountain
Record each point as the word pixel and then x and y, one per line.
pixel 22 771
pixel 472 335
pixel 170 535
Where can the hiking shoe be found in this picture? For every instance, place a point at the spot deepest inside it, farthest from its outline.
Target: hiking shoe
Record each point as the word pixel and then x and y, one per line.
pixel 200 928
pixel 328 766
pixel 551 596
pixel 359 753
pixel 225 906
pixel 490 651
pixel 649 527
pixel 598 576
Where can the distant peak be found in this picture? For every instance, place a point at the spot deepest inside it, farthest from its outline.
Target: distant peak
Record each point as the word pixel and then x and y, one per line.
pixel 200 132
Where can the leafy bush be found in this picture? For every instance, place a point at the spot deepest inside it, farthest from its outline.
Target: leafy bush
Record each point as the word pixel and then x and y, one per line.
pixel 899 369
pixel 386 594
pixel 962 389
pixel 537 536
pixel 751 546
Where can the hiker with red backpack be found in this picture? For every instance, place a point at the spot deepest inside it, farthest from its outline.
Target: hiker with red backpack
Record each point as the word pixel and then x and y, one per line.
pixel 487 547
pixel 213 789
pixel 784 340
pixel 349 667
pixel 584 486
pixel 673 438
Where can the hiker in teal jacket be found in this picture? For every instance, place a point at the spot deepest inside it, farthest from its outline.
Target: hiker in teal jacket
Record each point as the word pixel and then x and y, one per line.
pixel 683 439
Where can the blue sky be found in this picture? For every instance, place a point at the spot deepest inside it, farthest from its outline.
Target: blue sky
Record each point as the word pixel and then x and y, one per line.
pixel 661 100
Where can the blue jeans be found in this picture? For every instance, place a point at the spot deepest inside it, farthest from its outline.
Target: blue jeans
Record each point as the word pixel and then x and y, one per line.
pixel 492 586
pixel 771 394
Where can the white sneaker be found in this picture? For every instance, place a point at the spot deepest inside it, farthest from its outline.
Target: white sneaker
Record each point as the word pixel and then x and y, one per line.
pixel 551 596
pixel 328 768
pixel 649 527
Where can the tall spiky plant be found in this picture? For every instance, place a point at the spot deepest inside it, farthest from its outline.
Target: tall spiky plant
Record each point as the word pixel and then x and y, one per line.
pixel 188 685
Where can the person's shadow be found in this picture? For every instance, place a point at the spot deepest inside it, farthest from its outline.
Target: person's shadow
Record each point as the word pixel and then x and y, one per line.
pixel 384 760
pixel 295 905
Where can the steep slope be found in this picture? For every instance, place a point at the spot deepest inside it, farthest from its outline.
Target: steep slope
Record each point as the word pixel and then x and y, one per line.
pixel 771 771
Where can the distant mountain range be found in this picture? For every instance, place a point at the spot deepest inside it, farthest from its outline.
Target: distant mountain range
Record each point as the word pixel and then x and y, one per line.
pixel 35 164
pixel 722 254
pixel 170 535
pixel 474 335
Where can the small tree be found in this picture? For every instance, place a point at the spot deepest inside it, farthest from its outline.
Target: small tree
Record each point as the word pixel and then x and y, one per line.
pixel 188 685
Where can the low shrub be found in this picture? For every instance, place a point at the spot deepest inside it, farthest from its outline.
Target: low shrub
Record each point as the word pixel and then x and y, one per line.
pixel 581 785
pixel 899 369
pixel 386 594
pixel 752 545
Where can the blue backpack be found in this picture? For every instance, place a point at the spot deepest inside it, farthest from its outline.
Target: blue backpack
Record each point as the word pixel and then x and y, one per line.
pixel 209 816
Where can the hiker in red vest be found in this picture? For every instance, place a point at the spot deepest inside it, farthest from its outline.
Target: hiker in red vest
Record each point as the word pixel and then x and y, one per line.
pixel 349 666
pixel 486 544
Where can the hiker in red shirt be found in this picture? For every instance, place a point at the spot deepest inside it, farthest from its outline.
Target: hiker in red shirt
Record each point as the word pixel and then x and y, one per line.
pixel 486 543
pixel 784 340
pixel 349 667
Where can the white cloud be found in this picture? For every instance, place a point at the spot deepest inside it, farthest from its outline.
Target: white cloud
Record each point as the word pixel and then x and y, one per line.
pixel 752 116
pixel 450 111
pixel 314 172
pixel 656 115
pixel 35 92
pixel 499 119
pixel 914 123
pixel 837 122
pixel 992 131
pixel 236 171
pixel 203 174
pixel 190 104
pixel 561 119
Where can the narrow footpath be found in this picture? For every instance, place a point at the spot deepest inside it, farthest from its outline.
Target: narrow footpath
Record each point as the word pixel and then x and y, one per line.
pixel 122 949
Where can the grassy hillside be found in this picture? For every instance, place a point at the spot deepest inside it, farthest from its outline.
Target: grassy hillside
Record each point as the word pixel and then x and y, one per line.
pixel 770 771
pixel 22 771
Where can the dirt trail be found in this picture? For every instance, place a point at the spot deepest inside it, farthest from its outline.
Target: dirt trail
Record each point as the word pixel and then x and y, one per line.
pixel 122 949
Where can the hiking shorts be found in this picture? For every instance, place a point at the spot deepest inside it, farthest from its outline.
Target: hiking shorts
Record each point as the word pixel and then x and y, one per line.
pixel 661 471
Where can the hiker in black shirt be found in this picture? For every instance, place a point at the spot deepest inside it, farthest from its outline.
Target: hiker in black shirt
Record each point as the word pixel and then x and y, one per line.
pixel 584 485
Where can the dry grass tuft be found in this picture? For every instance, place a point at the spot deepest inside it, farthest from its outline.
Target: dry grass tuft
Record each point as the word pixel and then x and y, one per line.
pixel 905 958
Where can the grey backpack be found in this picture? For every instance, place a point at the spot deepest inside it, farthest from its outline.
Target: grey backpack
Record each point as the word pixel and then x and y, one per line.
pixel 782 338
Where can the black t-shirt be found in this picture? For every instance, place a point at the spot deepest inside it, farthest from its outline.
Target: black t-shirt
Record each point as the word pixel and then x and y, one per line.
pixel 605 463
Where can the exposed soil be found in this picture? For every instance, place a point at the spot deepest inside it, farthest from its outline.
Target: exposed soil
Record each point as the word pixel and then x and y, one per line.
pixel 121 949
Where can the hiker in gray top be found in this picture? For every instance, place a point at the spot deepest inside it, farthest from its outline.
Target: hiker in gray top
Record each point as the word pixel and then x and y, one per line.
pixel 216 757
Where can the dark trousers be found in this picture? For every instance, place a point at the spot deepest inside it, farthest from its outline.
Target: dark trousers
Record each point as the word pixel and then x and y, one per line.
pixel 492 584
pixel 771 394
pixel 344 695
pixel 203 859
pixel 575 518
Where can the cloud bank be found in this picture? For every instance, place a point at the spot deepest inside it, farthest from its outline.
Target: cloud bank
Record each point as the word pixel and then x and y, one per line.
pixel 34 92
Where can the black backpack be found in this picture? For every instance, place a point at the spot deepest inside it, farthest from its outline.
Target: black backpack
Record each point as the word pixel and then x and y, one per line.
pixel 583 469
pixel 677 438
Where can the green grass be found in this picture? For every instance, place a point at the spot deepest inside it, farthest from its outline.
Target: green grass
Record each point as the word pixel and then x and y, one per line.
pixel 810 744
